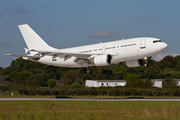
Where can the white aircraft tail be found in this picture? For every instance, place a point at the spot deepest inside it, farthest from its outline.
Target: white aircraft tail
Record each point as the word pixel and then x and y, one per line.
pixel 33 40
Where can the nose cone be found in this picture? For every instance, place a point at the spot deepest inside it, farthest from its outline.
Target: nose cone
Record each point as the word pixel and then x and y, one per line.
pixel 162 46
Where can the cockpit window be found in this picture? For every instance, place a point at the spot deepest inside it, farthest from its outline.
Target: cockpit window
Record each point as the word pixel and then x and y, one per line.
pixel 156 41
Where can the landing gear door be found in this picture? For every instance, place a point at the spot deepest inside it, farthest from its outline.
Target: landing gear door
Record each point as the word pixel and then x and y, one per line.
pixel 142 44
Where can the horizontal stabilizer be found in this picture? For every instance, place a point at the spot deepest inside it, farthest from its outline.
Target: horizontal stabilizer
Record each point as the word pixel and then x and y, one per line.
pixel 26 50
pixel 26 56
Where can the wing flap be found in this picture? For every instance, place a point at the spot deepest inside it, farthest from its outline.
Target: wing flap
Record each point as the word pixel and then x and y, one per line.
pixel 80 61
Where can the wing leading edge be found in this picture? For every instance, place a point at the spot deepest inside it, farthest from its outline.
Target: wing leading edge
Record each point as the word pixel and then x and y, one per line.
pixel 80 58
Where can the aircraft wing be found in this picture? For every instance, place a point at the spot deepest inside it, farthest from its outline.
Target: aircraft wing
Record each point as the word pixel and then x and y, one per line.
pixel 80 58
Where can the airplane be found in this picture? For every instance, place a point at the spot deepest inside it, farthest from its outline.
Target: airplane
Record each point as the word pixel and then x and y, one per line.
pixel 130 52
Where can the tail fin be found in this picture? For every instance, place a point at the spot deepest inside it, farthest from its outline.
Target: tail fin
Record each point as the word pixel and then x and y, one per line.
pixel 33 40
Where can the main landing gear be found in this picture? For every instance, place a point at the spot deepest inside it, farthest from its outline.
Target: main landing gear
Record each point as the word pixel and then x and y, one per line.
pixel 107 71
pixel 89 71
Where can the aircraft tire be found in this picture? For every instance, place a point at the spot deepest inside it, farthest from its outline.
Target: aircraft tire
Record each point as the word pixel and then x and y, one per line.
pixel 109 71
pixel 84 71
pixel 89 71
pixel 106 71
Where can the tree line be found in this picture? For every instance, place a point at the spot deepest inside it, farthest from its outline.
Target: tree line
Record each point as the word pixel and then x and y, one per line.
pixel 33 74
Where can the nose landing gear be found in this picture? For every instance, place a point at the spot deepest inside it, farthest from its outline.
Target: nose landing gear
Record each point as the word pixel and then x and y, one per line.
pixel 146 62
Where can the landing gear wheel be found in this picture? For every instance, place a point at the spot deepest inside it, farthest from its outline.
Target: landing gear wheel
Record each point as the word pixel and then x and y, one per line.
pixel 146 62
pixel 146 65
pixel 106 71
pixel 89 71
pixel 109 71
pixel 84 71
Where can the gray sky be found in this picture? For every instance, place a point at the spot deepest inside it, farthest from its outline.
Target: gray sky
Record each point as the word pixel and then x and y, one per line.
pixel 69 23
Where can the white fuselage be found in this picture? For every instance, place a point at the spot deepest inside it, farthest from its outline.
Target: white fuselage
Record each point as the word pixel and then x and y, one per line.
pixel 121 50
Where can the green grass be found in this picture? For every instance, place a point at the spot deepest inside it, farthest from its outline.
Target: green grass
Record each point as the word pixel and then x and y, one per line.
pixel 88 110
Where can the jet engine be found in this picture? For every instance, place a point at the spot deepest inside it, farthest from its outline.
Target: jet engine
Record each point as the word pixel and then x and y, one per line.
pixel 133 63
pixel 101 60
pixel 36 57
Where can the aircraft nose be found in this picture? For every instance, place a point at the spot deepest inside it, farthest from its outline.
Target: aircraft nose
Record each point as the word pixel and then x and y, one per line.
pixel 164 45
pixel 161 46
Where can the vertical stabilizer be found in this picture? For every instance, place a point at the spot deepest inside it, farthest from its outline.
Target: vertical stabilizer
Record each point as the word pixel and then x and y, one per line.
pixel 33 40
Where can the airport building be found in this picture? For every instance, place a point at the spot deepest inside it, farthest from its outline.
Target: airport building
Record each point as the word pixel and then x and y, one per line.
pixel 113 83
pixel 106 83
pixel 158 82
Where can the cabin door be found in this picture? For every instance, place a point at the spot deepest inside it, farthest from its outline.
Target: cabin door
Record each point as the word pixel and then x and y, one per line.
pixel 142 44
pixel 103 50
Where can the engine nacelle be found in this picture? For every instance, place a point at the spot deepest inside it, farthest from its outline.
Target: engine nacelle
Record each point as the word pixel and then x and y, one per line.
pixel 36 57
pixel 134 63
pixel 101 60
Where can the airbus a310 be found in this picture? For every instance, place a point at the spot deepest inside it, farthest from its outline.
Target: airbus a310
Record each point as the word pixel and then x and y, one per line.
pixel 130 52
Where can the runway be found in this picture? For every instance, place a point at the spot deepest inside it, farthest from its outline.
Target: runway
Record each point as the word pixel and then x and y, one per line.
pixel 90 99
